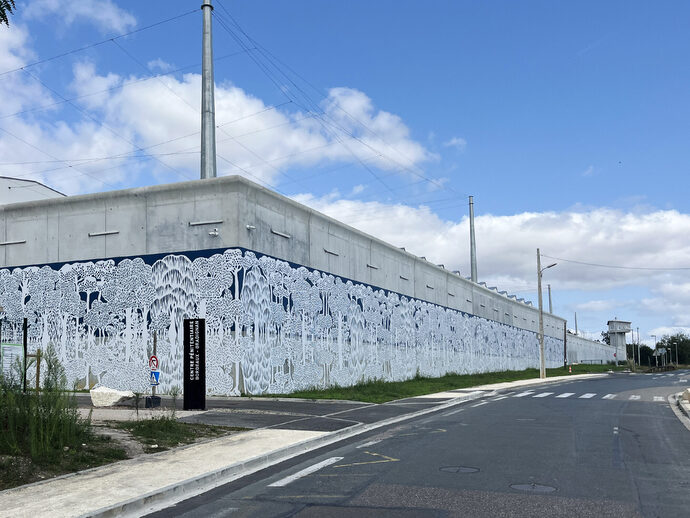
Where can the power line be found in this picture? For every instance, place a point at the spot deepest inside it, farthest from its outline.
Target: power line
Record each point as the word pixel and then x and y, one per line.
pixel 96 44
pixel 654 269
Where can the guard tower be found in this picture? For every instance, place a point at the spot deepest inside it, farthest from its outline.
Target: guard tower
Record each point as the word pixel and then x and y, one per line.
pixel 617 331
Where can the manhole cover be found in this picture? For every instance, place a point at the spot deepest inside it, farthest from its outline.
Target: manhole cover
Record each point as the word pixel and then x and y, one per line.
pixel 534 488
pixel 459 469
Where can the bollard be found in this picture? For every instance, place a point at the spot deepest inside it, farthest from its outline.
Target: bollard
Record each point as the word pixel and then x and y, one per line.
pixel 570 369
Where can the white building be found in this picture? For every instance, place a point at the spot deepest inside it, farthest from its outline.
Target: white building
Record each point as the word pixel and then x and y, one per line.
pixel 15 190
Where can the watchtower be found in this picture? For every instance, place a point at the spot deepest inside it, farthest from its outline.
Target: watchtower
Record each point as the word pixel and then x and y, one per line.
pixel 617 331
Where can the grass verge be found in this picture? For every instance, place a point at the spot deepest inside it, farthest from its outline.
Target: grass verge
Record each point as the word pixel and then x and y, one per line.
pixel 382 391
pixel 162 433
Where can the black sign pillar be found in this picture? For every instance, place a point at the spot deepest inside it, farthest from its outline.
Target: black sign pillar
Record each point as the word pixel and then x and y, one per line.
pixel 194 364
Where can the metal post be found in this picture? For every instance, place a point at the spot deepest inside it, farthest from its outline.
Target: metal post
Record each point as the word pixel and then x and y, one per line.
pixel 542 365
pixel 639 356
pixel 155 342
pixel 208 118
pixel 550 305
pixel 565 342
pixel 26 347
pixel 676 354
pixel 473 244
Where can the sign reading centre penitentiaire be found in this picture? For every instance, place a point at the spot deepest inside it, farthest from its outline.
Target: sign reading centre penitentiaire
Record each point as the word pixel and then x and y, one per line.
pixel 194 364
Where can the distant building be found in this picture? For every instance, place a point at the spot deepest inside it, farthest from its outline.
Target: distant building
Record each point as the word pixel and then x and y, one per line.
pixel 16 190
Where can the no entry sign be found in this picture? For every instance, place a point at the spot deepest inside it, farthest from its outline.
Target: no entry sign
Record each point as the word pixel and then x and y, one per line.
pixel 153 363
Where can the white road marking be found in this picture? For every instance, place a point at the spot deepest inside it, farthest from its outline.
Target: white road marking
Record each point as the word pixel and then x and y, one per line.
pixel 659 398
pixel 480 404
pixel 525 393
pixel 370 443
pixel 307 471
pixel 683 380
pixel 634 397
pixel 615 430
pixel 588 395
pixel 499 398
pixel 446 415
pixel 566 394
pixel 543 394
pixel 609 396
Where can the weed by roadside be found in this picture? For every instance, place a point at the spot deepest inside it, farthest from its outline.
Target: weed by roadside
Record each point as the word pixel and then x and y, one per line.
pixel 162 433
pixel 379 391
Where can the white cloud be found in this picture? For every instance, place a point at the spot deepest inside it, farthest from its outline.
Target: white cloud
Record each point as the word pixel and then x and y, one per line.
pixel 357 189
pixel 104 14
pixel 506 248
pixel 159 64
pixel 458 143
pixel 589 171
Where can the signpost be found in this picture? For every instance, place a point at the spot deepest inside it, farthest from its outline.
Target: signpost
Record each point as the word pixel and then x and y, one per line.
pixel 194 362
pixel 153 401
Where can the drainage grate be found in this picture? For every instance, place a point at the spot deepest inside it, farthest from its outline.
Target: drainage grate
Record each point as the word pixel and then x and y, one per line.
pixel 533 488
pixel 458 469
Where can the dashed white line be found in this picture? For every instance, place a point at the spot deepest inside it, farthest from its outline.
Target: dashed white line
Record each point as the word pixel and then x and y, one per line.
pixel 634 397
pixel 615 430
pixel 307 471
pixel 543 394
pixel 499 398
pixel 525 393
pixel 565 394
pixel 370 443
pixel 480 404
pixel 444 415
pixel 659 398
pixel 588 395
pixel 609 396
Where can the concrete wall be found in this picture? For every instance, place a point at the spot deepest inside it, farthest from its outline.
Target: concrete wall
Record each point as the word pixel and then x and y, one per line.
pixel 18 190
pixel 581 350
pixel 182 217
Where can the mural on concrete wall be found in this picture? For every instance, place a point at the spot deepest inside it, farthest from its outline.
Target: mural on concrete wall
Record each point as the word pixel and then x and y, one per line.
pixel 271 327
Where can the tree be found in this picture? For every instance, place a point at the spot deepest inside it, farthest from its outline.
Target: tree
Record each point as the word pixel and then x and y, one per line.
pixel 6 7
pixel 605 338
pixel 683 346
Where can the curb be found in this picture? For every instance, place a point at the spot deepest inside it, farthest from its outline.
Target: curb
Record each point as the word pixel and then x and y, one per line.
pixel 679 408
pixel 169 495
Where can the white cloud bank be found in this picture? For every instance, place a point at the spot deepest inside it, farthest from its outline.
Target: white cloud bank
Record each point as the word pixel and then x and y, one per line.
pixel 104 14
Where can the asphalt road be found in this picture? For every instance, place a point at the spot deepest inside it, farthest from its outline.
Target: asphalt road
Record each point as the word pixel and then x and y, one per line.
pixel 603 447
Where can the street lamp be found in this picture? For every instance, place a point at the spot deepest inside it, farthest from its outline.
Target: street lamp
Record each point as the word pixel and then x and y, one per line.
pixel 540 270
pixel 676 344
pixel 657 357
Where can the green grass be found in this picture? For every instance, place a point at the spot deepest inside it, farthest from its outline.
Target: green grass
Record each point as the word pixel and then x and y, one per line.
pixel 382 391
pixel 166 432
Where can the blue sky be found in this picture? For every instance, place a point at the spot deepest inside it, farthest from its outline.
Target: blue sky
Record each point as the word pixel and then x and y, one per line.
pixel 568 123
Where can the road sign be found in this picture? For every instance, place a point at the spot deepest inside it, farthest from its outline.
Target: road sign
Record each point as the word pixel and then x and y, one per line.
pixel 155 378
pixel 153 363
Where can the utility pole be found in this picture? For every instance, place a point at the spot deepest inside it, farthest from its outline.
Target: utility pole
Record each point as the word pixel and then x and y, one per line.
pixel 208 117
pixel 473 244
pixel 542 361
pixel 550 305
pixel 639 357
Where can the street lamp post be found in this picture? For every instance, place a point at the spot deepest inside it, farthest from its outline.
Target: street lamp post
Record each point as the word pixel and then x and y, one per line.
pixel 542 363
pixel 676 344
pixel 656 357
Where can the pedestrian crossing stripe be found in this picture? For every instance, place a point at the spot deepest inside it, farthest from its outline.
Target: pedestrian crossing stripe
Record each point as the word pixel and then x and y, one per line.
pixel 565 394
pixel 658 398
pixel 634 397
pixel 543 394
pixel 588 395
pixel 609 396
pixel 523 394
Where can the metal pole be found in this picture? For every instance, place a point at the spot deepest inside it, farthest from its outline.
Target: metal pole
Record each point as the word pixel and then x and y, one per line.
pixel 676 354
pixel 542 365
pixel 550 305
pixel 208 118
pixel 26 347
pixel 473 244
pixel 565 342
pixel 639 356
pixel 155 343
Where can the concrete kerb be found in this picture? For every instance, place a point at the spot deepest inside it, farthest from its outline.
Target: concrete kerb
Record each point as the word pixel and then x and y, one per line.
pixel 169 495
pixel 174 493
pixel 681 408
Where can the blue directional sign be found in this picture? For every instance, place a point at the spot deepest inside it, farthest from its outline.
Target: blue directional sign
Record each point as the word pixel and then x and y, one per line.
pixel 155 378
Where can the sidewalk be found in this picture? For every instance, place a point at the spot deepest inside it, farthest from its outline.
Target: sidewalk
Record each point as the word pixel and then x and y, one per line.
pixel 149 482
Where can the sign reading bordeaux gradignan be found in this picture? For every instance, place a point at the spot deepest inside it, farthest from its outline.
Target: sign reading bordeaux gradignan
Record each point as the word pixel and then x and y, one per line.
pixel 194 364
